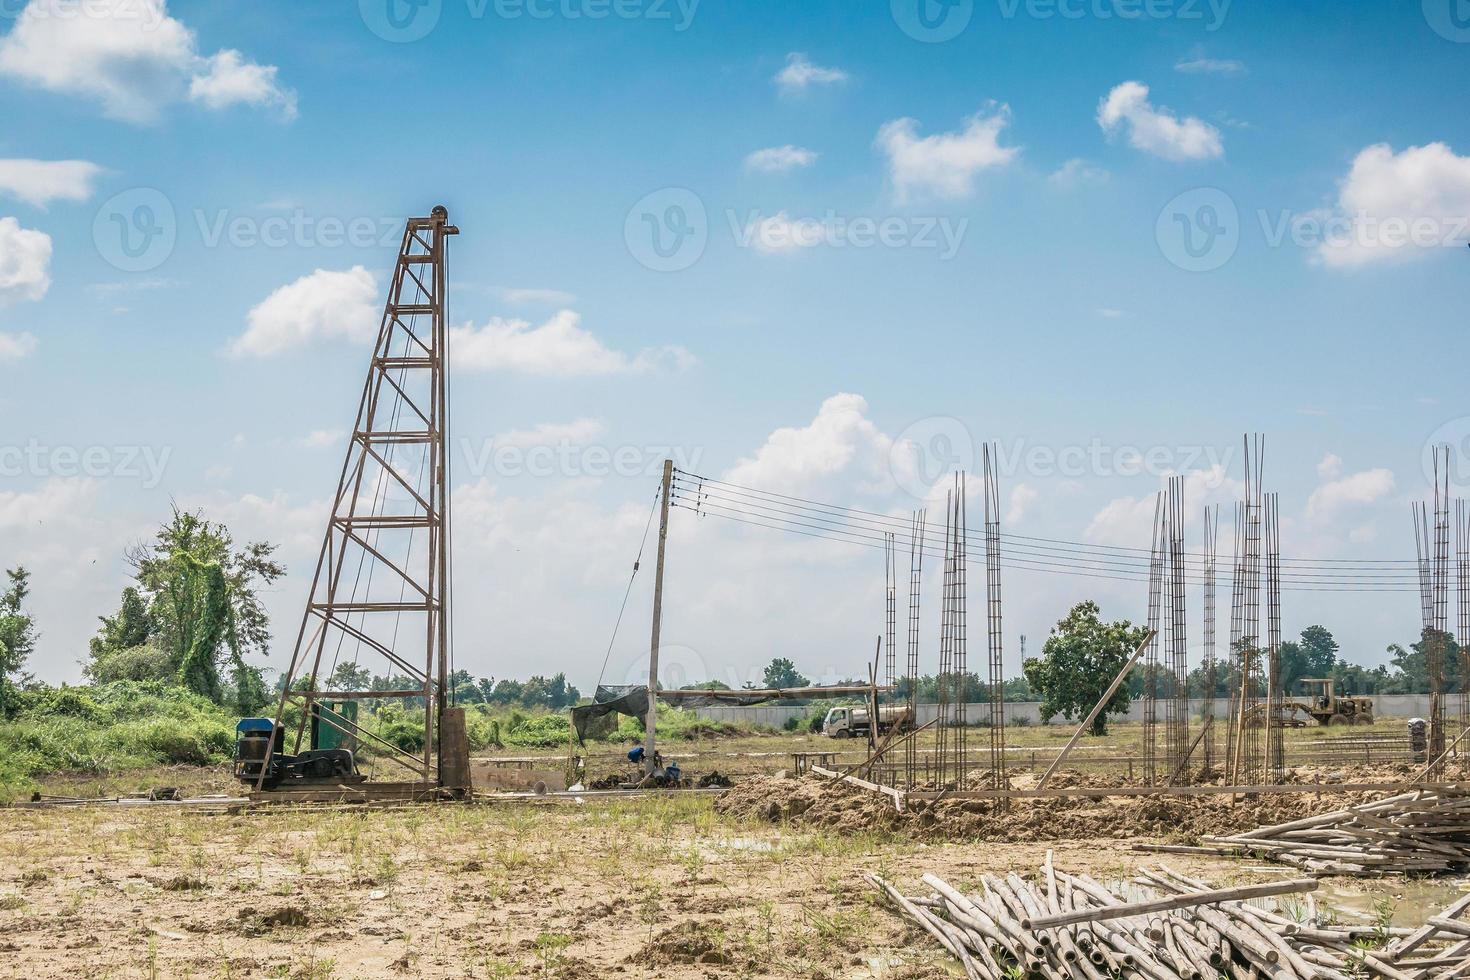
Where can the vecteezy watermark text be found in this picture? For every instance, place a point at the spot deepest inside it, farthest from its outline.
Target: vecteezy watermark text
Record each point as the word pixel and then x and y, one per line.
pixel 136 230
pixel 1211 13
pixel 403 21
pixel 569 458
pixel 928 451
pixel 935 21
pixel 781 233
pixel 148 14
pixel 296 229
pixel 145 464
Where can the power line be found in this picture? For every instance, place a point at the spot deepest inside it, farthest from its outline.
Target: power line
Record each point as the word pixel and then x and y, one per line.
pixel 817 519
pixel 1016 563
pixel 701 484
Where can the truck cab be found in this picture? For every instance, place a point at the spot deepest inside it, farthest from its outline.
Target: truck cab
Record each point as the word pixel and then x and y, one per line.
pixel 838 723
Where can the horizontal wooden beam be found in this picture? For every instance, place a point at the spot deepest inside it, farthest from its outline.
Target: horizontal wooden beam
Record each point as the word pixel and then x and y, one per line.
pixel 774 693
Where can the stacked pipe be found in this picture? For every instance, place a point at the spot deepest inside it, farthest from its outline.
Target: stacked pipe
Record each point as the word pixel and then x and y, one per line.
pixel 1424 832
pixel 1065 925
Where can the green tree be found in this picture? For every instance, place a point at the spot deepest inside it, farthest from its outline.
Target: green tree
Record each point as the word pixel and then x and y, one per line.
pixel 783 673
pixel 129 628
pixel 1314 655
pixel 17 636
pixel 202 602
pixel 350 677
pixel 1079 660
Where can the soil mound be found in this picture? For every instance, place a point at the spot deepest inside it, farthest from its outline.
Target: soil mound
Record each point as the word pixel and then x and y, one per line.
pixel 836 806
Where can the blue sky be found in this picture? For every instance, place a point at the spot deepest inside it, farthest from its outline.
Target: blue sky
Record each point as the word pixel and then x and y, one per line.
pixel 1034 176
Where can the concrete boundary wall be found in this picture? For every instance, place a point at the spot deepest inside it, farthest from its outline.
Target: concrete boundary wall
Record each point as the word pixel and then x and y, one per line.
pixel 1029 712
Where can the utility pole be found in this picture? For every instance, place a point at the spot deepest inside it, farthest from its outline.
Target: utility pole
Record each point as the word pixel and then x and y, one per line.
pixel 649 746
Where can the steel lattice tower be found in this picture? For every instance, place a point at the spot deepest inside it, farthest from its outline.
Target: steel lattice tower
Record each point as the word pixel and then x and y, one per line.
pixel 381 588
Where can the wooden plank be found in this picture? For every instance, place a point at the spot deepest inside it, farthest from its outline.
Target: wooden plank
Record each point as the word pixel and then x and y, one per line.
pixel 1187 900
pixel 896 795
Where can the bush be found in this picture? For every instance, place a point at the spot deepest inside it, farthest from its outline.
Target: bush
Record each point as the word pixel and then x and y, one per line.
pixel 140 663
pixel 540 732
pixel 108 728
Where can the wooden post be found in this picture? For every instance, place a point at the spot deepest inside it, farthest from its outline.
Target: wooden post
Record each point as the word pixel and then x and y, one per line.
pixel 1096 710
pixel 873 698
pixel 650 746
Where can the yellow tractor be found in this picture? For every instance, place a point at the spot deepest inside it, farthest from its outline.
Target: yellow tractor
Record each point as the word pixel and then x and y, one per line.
pixel 1322 704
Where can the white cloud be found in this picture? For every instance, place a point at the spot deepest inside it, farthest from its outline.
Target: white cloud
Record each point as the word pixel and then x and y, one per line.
pixel 1330 468
pixel 321 439
pixel 231 80
pixel 39 182
pixel 1210 66
pixel 1022 496
pixel 321 305
pixel 131 56
pixel 800 74
pixel 16 346
pixel 1109 313
pixel 575 433
pixel 780 159
pixel 57 498
pixel 1363 534
pixel 1157 131
pixel 945 164
pixel 1366 487
pixel 25 262
pixel 793 458
pixel 560 347
pixel 537 297
pixel 1128 521
pixel 1398 206
pixel 780 233
pixel 1077 173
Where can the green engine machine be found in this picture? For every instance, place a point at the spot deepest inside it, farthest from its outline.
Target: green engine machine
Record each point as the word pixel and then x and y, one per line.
pixel 260 745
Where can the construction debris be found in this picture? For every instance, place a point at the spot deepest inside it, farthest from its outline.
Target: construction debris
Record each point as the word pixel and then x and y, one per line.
pixel 1426 831
pixel 1163 925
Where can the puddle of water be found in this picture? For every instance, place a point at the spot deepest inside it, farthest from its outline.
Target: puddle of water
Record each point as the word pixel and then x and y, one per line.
pixel 1413 899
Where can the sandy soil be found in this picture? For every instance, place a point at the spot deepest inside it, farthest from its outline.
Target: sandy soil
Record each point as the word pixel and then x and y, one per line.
pixel 659 887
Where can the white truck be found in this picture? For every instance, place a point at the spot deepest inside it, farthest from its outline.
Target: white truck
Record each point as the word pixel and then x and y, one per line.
pixel 854 721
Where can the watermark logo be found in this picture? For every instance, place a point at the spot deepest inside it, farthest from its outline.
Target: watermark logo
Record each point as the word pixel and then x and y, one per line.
pixel 1456 434
pixel 400 21
pixel 667 231
pixel 296 229
pixel 780 233
pixel 145 464
pixel 135 231
pixel 147 14
pixel 1199 230
pixel 928 452
pixel 1210 13
pixel 570 458
pixel 678 666
pixel 1340 237
pixel 932 21
pixel 1450 19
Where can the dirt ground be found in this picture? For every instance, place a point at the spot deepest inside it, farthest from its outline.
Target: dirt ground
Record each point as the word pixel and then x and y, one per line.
pixel 655 887
pixel 766 881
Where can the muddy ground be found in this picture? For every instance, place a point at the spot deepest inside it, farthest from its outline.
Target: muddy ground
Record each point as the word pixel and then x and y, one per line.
pixel 679 887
